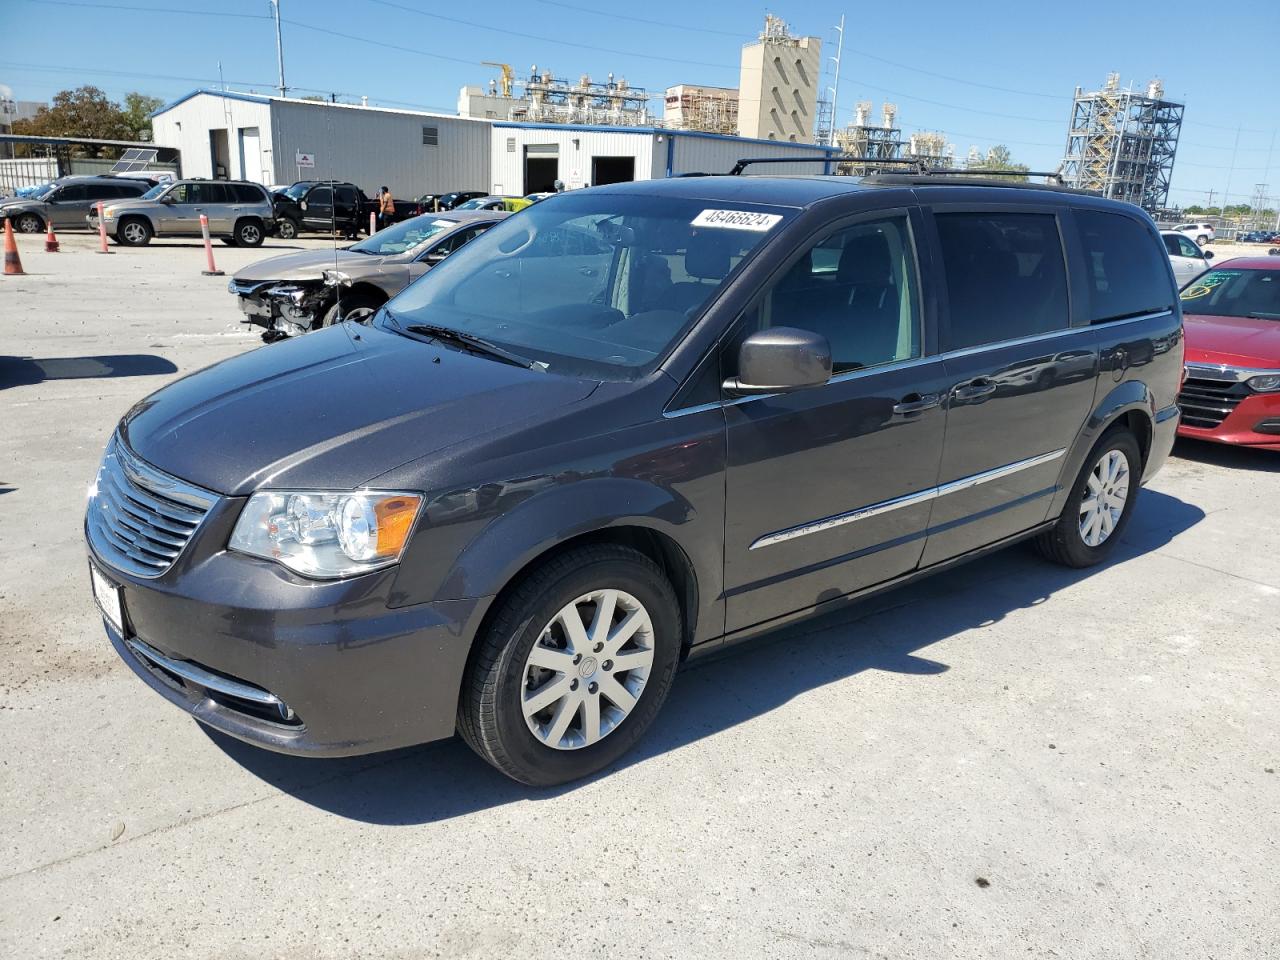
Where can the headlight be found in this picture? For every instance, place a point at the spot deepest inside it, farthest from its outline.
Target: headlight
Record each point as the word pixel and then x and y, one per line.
pixel 1266 383
pixel 327 535
pixel 109 212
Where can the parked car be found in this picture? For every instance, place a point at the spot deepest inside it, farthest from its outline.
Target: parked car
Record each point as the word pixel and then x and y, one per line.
pixel 239 212
pixel 326 206
pixel 539 479
pixel 1187 258
pixel 449 201
pixel 1260 236
pixel 1232 390
pixel 66 201
pixel 509 204
pixel 292 294
pixel 1201 233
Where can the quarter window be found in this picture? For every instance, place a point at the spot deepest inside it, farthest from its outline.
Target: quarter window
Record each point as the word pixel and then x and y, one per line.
pixel 1005 277
pixel 1127 276
pixel 857 288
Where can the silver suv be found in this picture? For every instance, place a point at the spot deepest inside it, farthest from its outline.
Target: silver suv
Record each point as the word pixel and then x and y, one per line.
pixel 239 212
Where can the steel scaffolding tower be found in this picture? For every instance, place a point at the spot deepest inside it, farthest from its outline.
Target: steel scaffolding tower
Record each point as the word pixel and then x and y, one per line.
pixel 862 139
pixel 1122 144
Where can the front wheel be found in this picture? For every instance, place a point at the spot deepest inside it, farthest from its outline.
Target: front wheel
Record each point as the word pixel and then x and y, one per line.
pixel 1100 504
pixel 286 228
pixel 357 308
pixel 134 233
pixel 29 223
pixel 573 667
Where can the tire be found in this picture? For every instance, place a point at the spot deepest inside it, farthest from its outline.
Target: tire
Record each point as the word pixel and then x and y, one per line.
pixel 134 232
pixel 358 307
pixel 1202 240
pixel 1074 541
pixel 248 233
pixel 29 223
pixel 287 228
pixel 229 241
pixel 491 708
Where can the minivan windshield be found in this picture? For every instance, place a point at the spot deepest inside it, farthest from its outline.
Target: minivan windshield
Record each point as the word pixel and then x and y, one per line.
pixel 1234 293
pixel 595 284
pixel 401 236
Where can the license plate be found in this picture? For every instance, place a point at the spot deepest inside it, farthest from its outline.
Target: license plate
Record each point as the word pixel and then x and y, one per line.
pixel 107 596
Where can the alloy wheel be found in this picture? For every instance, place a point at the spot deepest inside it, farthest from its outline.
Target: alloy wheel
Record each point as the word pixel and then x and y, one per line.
pixel 250 235
pixel 29 223
pixel 586 672
pixel 134 232
pixel 1106 494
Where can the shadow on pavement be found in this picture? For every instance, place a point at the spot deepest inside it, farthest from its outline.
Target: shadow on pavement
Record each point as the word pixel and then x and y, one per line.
pixel 25 371
pixel 1227 455
pixel 444 780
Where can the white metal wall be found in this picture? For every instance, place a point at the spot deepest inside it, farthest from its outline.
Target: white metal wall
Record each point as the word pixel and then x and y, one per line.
pixel 576 149
pixel 186 127
pixel 373 147
pixel 694 154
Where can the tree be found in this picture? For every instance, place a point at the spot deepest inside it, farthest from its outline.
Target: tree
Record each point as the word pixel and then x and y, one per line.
pixel 83 112
pixel 138 108
pixel 999 158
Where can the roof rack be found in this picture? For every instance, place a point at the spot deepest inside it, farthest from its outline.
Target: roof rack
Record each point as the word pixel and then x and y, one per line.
pixel 742 164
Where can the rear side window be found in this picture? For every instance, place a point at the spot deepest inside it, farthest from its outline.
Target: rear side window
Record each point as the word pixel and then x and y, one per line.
pixel 244 193
pixel 1127 275
pixel 1005 277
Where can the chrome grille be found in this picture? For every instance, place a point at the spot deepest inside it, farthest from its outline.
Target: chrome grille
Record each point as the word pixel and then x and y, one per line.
pixel 1206 402
pixel 139 519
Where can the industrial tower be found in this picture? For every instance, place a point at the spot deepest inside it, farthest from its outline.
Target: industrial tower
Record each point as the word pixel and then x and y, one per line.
pixel 1122 144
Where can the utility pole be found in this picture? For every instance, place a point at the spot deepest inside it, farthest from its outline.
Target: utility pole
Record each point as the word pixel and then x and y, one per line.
pixel 275 10
pixel 835 89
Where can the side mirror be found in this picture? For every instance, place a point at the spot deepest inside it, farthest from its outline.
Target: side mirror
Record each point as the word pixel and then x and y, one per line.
pixel 436 256
pixel 780 360
pixel 1207 254
pixel 168 198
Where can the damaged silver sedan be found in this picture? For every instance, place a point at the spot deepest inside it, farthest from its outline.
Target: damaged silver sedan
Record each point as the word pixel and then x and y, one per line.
pixel 298 292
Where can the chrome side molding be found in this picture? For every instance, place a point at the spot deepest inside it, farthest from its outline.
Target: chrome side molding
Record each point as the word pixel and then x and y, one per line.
pixel 910 499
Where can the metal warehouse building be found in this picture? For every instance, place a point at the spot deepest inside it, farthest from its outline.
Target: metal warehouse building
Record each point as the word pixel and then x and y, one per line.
pixel 530 157
pixel 280 139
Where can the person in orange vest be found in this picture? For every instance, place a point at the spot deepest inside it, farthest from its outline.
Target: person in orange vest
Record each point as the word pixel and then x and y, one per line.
pixel 386 208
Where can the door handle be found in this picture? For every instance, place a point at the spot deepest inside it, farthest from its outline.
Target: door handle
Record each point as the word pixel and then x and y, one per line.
pixel 973 390
pixel 916 402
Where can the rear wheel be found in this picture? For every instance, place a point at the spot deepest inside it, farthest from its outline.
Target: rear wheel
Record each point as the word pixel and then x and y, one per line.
pixel 29 223
pixel 134 232
pixel 248 233
pixel 1202 240
pixel 1101 502
pixel 573 667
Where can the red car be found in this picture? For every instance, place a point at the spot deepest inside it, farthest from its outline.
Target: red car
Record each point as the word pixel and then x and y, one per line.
pixel 1232 389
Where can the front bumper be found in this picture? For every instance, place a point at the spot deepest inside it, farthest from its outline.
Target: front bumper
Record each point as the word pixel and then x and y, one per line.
pixel 355 675
pixel 1219 407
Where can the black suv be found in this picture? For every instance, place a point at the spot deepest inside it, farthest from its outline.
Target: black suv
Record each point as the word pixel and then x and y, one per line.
pixel 549 471
pixel 322 205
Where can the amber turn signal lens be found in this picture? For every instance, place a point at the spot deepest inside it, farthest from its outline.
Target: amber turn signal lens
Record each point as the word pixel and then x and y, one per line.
pixel 395 522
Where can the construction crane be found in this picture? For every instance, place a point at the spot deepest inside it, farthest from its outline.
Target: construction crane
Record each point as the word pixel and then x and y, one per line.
pixel 508 75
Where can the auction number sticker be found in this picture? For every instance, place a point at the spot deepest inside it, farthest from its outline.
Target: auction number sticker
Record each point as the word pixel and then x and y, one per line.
pixel 737 220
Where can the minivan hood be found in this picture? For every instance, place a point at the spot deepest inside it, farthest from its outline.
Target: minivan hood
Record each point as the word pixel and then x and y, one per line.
pixel 1245 340
pixel 332 409
pixel 307 265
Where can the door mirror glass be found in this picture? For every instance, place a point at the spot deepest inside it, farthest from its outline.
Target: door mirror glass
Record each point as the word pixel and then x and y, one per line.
pixel 1208 254
pixel 781 359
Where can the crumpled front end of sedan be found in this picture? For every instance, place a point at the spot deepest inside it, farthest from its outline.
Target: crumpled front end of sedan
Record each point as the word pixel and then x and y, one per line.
pixel 285 308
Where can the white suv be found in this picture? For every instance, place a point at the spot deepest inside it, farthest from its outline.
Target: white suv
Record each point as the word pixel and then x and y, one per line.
pixel 1201 233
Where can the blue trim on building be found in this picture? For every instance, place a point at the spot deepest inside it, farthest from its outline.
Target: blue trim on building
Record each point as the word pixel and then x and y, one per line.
pixel 227 94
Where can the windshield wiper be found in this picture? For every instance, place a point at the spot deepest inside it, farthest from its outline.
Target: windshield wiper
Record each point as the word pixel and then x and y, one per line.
pixel 470 341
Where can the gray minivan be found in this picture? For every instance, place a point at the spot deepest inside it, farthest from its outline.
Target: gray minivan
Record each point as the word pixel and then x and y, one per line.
pixel 239 212
pixel 538 480
pixel 66 201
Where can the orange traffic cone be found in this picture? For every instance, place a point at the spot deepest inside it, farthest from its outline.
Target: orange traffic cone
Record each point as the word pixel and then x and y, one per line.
pixel 12 264
pixel 51 240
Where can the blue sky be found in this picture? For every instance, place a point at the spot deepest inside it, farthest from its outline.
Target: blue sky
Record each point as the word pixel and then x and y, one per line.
pixel 982 71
